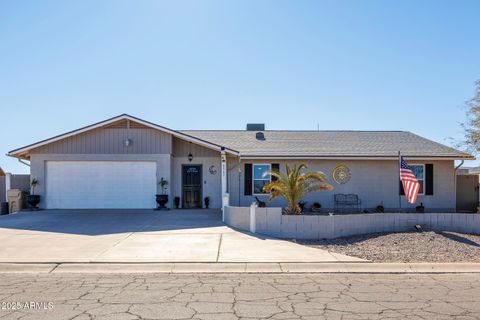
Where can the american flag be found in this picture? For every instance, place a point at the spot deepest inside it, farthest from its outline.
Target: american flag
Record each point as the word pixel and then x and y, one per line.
pixel 409 182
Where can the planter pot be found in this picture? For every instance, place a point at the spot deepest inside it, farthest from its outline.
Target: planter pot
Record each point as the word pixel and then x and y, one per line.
pixel 162 200
pixel 33 200
pixel 420 209
pixel 176 201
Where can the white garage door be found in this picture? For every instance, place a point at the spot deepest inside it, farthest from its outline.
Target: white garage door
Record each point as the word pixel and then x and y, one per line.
pixel 100 184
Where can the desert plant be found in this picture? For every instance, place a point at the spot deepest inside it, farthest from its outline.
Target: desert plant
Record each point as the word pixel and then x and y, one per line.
pixel 294 185
pixel 163 185
pixel 33 183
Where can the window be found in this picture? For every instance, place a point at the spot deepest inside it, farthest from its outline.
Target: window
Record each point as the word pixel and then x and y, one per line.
pixel 259 180
pixel 419 172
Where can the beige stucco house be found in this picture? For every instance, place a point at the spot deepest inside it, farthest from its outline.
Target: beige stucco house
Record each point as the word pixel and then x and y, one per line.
pixel 118 163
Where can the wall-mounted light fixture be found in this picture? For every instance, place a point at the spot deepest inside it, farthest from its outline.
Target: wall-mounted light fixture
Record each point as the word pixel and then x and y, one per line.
pixel 190 157
pixel 127 142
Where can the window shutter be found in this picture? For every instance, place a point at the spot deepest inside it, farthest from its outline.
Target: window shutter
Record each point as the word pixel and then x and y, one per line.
pixel 429 179
pixel 402 192
pixel 248 179
pixel 276 168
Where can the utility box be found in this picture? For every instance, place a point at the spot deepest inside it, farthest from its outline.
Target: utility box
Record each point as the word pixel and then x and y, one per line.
pixel 16 198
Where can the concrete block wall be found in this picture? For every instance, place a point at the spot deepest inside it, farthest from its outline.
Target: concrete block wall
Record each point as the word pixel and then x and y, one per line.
pixel 271 222
pixel 237 217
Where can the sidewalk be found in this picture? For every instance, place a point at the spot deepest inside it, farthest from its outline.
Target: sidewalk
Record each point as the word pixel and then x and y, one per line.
pixel 339 267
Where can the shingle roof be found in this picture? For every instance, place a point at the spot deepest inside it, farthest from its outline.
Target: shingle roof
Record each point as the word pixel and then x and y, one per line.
pixel 328 144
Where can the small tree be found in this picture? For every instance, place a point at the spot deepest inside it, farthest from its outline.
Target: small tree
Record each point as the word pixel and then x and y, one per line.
pixel 295 185
pixel 471 126
pixel 33 183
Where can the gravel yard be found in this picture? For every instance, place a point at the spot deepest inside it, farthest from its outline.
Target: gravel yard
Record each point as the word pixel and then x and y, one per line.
pixel 407 247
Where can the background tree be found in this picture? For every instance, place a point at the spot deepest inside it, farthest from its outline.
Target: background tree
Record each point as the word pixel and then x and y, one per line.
pixel 471 126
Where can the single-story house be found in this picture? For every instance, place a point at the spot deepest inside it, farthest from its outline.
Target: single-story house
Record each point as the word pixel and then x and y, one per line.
pixel 119 162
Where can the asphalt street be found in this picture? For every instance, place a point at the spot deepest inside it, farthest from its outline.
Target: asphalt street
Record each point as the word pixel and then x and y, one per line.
pixel 240 296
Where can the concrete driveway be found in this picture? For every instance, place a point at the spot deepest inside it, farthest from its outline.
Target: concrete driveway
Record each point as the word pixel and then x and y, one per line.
pixel 141 236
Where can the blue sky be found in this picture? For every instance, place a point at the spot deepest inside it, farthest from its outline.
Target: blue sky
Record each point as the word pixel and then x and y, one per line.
pixel 363 65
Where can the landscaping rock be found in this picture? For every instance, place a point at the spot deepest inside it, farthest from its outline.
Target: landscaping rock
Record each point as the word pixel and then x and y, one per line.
pixel 406 247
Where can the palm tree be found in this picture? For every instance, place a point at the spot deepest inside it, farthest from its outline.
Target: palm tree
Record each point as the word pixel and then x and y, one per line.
pixel 295 185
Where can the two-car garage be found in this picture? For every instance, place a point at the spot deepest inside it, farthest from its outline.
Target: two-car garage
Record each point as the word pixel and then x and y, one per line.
pixel 100 184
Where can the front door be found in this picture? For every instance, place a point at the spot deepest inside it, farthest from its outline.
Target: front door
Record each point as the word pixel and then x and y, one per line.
pixel 192 186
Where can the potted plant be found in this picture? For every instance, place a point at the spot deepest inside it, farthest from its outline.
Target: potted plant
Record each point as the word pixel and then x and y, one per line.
pixel 420 208
pixel 162 198
pixel 207 202
pixel 380 208
pixel 260 203
pixel 294 185
pixel 176 201
pixel 316 207
pixel 32 199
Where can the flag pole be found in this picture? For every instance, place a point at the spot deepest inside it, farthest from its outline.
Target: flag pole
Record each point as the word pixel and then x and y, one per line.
pixel 400 183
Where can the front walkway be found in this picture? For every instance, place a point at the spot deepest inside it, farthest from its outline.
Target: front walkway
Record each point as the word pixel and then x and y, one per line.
pixel 143 236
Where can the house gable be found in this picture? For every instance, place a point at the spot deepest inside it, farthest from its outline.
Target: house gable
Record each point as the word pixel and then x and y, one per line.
pixel 111 140
pixel 181 148
pixel 109 137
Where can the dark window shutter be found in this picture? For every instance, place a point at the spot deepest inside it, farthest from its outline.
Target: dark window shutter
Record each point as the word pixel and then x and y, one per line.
pixel 276 168
pixel 429 179
pixel 402 192
pixel 248 179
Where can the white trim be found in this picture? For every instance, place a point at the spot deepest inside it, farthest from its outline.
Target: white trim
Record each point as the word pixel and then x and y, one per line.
pixel 253 178
pixel 182 136
pixel 224 185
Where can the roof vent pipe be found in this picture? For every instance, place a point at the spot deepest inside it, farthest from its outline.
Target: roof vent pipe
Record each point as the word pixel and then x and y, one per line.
pixel 260 136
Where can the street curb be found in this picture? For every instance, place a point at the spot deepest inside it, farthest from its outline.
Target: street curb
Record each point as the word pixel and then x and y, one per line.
pixel 240 268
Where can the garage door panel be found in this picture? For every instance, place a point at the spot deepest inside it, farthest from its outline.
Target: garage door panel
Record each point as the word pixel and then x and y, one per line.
pixel 100 184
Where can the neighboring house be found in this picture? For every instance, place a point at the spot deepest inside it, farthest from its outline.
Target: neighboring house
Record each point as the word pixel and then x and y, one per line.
pixel 468 170
pixel 117 163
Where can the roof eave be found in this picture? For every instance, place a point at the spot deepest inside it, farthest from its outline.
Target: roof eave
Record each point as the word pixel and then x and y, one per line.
pixel 352 157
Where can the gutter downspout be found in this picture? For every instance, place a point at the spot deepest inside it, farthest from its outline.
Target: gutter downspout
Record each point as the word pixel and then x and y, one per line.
pixel 22 162
pixel 455 183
